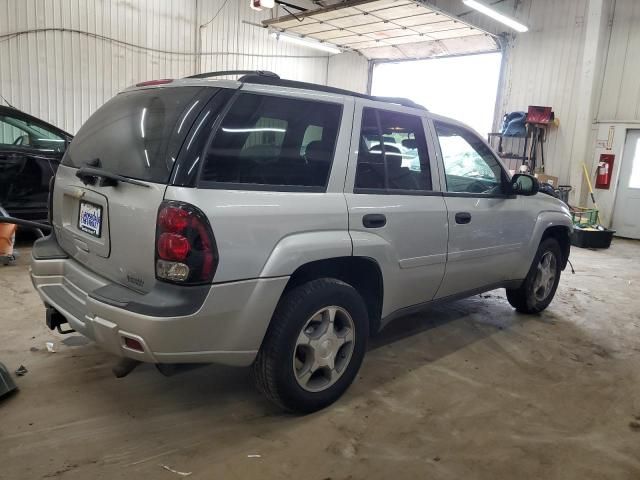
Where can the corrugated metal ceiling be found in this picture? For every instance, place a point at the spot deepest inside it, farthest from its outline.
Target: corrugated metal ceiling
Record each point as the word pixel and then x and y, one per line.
pixel 387 29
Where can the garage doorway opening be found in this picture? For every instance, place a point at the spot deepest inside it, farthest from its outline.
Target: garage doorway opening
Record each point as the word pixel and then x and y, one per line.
pixel 463 87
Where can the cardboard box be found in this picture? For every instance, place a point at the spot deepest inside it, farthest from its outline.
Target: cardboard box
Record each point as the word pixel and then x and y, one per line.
pixel 550 179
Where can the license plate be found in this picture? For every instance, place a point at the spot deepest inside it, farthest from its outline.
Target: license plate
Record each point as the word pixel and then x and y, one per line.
pixel 90 218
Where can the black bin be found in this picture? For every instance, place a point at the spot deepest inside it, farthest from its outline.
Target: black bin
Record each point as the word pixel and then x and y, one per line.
pixel 592 238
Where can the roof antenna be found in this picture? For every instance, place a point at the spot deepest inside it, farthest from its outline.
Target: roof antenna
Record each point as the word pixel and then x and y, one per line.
pixel 6 101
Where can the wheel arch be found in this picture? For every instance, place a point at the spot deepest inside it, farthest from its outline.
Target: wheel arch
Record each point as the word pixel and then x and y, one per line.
pixel 362 273
pixel 562 234
pixel 556 224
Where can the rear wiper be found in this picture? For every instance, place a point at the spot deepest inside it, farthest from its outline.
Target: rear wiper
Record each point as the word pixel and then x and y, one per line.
pixel 90 175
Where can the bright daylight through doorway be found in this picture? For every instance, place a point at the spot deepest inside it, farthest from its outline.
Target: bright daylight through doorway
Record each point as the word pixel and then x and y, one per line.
pixel 463 88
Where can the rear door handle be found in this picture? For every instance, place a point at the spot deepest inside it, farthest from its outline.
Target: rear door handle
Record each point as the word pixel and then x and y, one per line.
pixel 463 218
pixel 374 220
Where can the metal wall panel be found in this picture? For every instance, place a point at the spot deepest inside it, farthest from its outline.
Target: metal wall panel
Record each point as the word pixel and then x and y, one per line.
pixel 542 68
pixel 58 62
pixel 620 96
pixel 349 71
pixel 62 59
pixel 233 39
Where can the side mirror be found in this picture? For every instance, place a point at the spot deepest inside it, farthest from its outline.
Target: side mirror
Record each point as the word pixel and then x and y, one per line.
pixel 522 184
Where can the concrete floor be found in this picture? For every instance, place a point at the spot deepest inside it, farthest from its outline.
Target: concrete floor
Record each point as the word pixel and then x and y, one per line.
pixel 469 390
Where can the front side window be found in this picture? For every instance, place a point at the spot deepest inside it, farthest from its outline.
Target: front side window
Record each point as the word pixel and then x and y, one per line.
pixel 274 141
pixel 469 165
pixel 392 154
pixel 17 132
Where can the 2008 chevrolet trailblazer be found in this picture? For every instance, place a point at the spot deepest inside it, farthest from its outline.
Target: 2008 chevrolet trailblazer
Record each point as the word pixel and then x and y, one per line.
pixel 278 224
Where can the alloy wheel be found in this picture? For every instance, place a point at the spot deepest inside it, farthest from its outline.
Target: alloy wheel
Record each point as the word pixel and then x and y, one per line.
pixel 545 276
pixel 323 348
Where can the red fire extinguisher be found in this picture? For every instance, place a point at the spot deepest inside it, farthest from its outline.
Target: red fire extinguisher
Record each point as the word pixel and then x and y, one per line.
pixel 605 169
pixel 603 173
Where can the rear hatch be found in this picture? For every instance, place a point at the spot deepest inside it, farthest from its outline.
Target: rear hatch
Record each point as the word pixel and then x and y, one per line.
pixel 108 224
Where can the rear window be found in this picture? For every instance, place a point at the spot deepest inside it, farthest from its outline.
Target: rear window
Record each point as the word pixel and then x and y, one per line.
pixel 138 134
pixel 268 142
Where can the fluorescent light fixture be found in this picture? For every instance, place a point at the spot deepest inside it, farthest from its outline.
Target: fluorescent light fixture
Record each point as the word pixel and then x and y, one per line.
pixel 306 42
pixel 490 12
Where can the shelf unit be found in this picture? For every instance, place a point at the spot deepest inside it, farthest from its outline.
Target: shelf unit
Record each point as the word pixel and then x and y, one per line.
pixel 510 149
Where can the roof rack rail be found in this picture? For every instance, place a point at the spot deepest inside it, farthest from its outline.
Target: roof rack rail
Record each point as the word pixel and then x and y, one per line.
pixel 245 73
pixel 405 102
pixel 264 77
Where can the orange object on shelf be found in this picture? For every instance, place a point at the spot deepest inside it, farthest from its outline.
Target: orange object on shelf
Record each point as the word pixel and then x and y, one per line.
pixel 7 238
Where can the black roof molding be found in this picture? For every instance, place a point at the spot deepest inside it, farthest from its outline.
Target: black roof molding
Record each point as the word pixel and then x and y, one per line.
pixel 262 77
pixel 245 73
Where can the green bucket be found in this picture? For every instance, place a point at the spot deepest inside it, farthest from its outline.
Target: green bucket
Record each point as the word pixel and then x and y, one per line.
pixel 584 217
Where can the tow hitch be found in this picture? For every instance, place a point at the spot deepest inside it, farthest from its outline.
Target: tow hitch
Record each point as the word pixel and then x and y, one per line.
pixel 55 320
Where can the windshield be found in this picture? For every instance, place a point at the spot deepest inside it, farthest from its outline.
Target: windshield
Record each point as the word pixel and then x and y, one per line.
pixel 138 134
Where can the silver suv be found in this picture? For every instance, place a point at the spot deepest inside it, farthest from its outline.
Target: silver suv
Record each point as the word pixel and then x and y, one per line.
pixel 279 224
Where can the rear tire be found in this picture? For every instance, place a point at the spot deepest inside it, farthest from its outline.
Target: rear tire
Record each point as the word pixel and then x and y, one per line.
pixel 539 287
pixel 314 346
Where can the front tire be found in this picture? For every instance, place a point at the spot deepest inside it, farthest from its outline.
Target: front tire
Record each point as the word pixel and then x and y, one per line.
pixel 540 285
pixel 314 346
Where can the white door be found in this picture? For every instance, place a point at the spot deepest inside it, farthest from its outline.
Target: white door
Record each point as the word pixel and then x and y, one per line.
pixel 626 219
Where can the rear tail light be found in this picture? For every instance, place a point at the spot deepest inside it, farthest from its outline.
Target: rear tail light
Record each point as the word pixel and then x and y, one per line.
pixel 186 250
pixel 173 246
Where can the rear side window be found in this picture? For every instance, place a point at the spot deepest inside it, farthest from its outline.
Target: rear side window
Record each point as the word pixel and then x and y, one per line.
pixel 392 155
pixel 138 134
pixel 269 142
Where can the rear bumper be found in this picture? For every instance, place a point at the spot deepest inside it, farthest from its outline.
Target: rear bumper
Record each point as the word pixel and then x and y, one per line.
pixel 222 323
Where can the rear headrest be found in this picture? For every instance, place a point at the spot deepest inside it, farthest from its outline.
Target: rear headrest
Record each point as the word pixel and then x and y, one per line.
pixel 392 154
pixel 318 151
pixel 410 143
